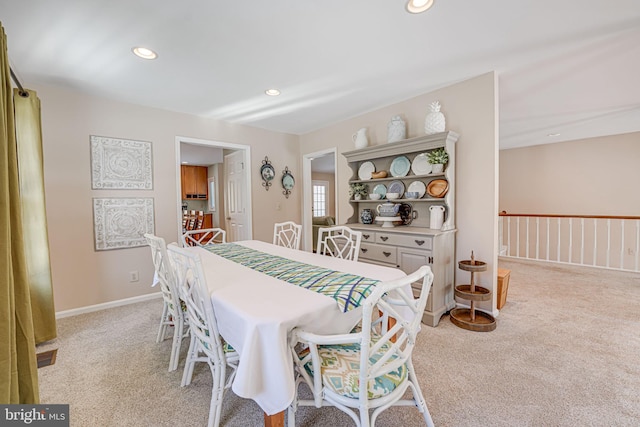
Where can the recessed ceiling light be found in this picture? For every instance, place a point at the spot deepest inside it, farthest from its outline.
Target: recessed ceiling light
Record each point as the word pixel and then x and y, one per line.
pixel 144 53
pixel 272 92
pixel 418 6
pixel 553 134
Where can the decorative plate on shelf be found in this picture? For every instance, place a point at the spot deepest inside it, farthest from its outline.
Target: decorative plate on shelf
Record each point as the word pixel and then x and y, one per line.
pixel 438 188
pixel 421 165
pixel 418 187
pixel 400 166
pixel 396 187
pixel 365 171
pixel 381 190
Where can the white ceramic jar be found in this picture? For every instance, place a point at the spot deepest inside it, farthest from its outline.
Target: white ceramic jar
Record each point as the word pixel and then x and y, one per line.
pixel 396 129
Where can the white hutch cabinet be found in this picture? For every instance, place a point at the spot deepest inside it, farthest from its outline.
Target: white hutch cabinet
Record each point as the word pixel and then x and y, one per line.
pixel 410 246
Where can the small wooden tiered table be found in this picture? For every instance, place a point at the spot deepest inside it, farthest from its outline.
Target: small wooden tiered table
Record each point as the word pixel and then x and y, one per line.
pixel 469 318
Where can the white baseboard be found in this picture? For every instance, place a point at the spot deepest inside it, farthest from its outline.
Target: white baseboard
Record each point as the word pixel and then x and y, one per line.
pixel 104 306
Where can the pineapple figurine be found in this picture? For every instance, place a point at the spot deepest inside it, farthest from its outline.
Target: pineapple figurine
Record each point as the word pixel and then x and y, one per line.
pixel 434 122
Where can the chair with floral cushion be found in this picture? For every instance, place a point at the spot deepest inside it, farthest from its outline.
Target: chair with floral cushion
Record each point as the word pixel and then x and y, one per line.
pixel 173 314
pixel 335 366
pixel 287 234
pixel 206 343
pixel 205 236
pixel 339 242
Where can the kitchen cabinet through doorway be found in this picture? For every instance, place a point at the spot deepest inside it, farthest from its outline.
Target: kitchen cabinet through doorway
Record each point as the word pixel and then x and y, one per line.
pixel 194 182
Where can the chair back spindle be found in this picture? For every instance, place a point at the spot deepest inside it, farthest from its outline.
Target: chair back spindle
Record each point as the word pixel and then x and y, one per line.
pixel 339 242
pixel 287 234
pixel 205 236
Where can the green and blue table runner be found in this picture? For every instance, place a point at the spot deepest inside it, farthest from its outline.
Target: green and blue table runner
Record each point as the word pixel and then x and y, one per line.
pixel 349 290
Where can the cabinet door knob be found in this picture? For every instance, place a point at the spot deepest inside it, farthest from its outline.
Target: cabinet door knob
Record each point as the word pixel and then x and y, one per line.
pixel 384 238
pixel 430 260
pixel 386 254
pixel 419 242
pixel 366 236
pixel 364 250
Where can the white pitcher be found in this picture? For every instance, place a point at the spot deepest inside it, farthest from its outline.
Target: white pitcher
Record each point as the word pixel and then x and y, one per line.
pixel 436 217
pixel 360 138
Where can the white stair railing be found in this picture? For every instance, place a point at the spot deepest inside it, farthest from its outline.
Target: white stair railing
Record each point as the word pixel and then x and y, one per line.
pixel 598 241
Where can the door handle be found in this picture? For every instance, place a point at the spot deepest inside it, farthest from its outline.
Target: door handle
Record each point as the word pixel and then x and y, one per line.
pixel 419 242
pixel 364 250
pixel 228 218
pixel 384 238
pixel 366 236
pixel 386 254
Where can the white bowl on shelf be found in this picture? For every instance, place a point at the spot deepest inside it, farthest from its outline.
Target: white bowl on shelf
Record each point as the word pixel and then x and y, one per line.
pixel 393 196
pixel 411 194
pixel 375 196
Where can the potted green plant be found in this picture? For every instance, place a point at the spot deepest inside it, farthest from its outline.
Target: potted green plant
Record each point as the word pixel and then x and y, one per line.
pixel 438 158
pixel 358 190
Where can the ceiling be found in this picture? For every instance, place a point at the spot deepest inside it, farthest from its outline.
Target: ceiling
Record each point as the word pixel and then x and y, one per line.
pixel 200 155
pixel 324 164
pixel 565 67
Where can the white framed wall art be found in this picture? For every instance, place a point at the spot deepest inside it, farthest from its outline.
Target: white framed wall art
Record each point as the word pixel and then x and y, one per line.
pixel 122 222
pixel 120 164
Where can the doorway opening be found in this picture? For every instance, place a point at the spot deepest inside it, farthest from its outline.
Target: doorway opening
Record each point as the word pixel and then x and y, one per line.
pixel 320 192
pixel 228 202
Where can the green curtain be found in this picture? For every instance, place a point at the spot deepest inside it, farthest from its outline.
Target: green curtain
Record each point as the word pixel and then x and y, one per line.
pixel 18 368
pixel 34 215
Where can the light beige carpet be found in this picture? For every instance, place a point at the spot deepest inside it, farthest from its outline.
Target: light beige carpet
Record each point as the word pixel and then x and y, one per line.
pixel 566 352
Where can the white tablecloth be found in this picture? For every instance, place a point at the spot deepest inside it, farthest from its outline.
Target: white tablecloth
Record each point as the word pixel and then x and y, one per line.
pixel 256 312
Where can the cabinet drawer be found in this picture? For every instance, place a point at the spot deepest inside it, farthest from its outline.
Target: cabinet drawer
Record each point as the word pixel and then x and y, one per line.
pixel 417 242
pixel 368 236
pixel 380 253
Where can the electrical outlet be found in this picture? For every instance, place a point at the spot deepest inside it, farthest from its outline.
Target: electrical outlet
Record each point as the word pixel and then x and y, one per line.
pixel 133 276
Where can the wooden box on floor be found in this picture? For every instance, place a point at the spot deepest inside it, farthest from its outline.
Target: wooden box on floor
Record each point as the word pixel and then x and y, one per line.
pixel 503 286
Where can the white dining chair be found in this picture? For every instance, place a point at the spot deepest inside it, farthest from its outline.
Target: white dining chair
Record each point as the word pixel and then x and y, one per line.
pixel 339 242
pixel 287 234
pixel 173 314
pixel 206 343
pixel 205 236
pixel 379 355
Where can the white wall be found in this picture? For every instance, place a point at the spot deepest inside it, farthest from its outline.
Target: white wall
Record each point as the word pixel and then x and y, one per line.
pixel 595 176
pixel 82 276
pixel 470 108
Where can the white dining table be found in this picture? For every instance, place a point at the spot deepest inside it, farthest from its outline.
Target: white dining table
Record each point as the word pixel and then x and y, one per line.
pixel 257 312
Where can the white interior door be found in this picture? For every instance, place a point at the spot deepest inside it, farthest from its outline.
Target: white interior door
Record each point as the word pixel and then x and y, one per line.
pixel 236 215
